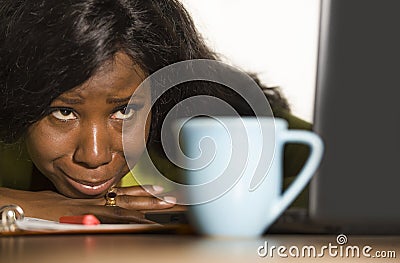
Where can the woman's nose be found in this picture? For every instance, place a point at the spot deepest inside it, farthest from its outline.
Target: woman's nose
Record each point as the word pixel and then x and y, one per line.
pixel 94 147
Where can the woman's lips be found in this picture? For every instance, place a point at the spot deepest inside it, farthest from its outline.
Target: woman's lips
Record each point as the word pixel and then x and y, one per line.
pixel 91 188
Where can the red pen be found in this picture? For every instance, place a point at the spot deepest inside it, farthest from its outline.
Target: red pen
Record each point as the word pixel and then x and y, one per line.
pixel 81 220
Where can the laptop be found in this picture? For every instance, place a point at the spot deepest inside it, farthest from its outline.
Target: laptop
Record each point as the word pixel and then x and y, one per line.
pixel 357 114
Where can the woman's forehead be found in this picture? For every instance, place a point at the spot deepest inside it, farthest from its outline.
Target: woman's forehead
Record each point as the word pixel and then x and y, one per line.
pixel 120 75
pixel 120 60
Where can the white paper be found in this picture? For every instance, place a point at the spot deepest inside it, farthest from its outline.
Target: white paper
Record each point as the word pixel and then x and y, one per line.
pixel 37 224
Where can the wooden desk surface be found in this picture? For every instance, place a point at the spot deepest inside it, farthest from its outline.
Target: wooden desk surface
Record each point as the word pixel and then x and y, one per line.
pixel 185 248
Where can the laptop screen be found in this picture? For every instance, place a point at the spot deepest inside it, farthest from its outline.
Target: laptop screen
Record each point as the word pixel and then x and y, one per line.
pixel 357 113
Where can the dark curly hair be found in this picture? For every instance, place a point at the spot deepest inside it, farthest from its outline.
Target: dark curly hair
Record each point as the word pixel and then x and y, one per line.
pixel 48 47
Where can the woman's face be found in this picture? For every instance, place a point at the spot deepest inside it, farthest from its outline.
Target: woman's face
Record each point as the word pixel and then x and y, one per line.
pixel 78 146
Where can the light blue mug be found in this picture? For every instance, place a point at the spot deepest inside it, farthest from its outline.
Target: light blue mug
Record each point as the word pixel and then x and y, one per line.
pixel 239 164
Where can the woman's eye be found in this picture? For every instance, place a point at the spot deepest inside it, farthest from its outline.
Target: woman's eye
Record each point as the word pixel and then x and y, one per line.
pixel 64 114
pixel 123 114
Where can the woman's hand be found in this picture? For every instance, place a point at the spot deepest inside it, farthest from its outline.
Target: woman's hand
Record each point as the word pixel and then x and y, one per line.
pixel 141 198
pixel 50 205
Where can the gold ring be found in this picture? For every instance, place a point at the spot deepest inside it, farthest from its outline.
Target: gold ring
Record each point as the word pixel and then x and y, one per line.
pixel 111 197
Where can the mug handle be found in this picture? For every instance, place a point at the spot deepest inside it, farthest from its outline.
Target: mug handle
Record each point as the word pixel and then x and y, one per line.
pixel 308 170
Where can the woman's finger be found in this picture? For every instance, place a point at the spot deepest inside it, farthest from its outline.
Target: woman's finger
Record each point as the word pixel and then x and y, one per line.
pixel 143 190
pixel 117 215
pixel 145 202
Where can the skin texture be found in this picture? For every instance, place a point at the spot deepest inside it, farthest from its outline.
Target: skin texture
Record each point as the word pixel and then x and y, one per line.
pixel 78 146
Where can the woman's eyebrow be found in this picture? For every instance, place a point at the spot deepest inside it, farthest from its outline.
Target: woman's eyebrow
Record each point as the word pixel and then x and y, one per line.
pixel 118 100
pixel 72 101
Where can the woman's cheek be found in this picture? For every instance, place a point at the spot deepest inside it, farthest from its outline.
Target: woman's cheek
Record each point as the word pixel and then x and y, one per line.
pixel 45 143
